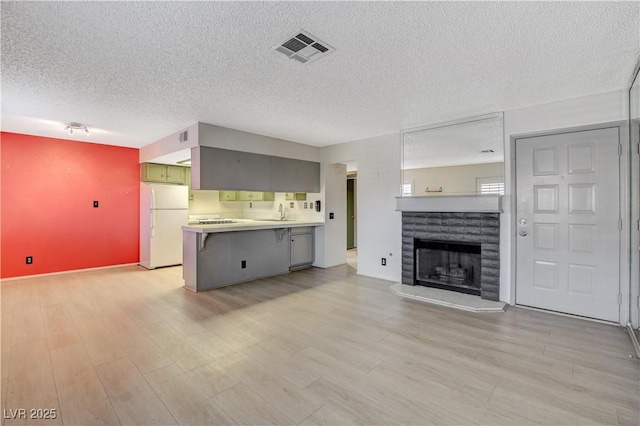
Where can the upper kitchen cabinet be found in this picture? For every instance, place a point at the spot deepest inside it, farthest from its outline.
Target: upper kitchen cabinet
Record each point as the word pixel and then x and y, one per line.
pixel 255 196
pixel 228 195
pixel 177 174
pixel 289 175
pixel 295 196
pixel 163 173
pixel 216 169
pixel 229 170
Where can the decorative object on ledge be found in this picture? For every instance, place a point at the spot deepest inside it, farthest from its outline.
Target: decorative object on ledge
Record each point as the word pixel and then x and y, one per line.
pixel 487 203
pixel 433 190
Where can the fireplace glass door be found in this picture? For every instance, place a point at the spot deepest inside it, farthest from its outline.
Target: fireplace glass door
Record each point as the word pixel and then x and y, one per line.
pixel 448 265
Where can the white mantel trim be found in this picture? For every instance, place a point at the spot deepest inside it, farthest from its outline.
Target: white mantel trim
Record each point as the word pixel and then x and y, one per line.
pixel 486 203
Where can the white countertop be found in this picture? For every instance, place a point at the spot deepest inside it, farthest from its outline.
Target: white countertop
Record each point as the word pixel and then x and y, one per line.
pixel 248 225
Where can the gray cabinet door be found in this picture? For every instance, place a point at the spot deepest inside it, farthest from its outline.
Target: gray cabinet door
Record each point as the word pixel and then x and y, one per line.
pixel 290 175
pixel 232 170
pixel 301 250
pixel 253 173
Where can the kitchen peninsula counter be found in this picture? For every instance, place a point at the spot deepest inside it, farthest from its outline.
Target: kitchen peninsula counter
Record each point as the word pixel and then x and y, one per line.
pixel 217 255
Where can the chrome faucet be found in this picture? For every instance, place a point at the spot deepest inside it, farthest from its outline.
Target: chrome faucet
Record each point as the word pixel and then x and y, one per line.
pixel 282 212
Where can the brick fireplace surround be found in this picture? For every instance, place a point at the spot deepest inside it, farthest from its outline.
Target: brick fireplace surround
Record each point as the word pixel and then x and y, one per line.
pixel 466 227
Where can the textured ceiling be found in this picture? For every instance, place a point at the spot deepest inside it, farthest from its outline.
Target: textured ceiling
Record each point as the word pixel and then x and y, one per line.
pixel 135 72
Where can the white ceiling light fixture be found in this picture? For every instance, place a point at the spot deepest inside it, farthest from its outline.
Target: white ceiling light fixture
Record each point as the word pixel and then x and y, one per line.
pixel 304 47
pixel 70 127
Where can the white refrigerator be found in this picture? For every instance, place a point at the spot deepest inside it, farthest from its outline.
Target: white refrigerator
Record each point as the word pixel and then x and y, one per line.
pixel 164 210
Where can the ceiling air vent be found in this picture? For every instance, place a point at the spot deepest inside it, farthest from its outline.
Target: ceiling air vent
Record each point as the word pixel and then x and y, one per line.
pixel 304 47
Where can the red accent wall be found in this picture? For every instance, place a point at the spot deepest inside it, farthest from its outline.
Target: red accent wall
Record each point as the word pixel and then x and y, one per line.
pixel 48 187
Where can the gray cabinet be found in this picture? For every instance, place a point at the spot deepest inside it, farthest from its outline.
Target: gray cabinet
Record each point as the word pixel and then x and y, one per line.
pixel 216 168
pixel 289 175
pixel 231 170
pixel 302 248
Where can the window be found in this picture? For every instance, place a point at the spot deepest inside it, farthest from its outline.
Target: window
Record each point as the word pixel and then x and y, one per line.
pixel 407 189
pixel 490 185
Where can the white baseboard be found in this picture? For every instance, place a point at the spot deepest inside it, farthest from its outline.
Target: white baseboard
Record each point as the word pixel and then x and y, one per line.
pixel 73 271
pixel 562 314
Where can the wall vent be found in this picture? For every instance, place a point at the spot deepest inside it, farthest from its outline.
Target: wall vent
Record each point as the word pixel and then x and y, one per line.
pixel 184 136
pixel 304 47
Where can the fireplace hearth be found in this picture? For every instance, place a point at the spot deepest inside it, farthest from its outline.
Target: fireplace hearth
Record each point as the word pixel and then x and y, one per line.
pixel 448 265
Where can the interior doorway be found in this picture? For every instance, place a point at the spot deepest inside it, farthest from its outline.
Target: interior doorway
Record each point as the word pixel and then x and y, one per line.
pixel 351 213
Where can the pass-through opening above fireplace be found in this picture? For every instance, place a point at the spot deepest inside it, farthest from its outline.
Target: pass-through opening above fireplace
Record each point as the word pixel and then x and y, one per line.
pixel 448 265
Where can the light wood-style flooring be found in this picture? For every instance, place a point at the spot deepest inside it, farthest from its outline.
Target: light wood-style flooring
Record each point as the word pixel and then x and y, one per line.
pixel 131 346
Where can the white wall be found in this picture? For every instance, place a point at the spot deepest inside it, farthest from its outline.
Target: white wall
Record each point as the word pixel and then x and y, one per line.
pixel 593 109
pixel 452 179
pixel 379 225
pixel 331 239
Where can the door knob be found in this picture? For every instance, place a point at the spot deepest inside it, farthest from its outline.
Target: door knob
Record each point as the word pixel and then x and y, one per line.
pixel 523 221
pixel 523 233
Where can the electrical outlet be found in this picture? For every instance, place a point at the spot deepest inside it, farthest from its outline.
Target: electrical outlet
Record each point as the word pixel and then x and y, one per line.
pixel 250 205
pixel 291 204
pixel 330 215
pixel 95 204
pixel 305 205
pixel 384 261
pixel 29 260
pixel 243 264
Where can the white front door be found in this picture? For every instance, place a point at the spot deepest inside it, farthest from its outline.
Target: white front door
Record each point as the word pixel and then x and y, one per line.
pixel 568 210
